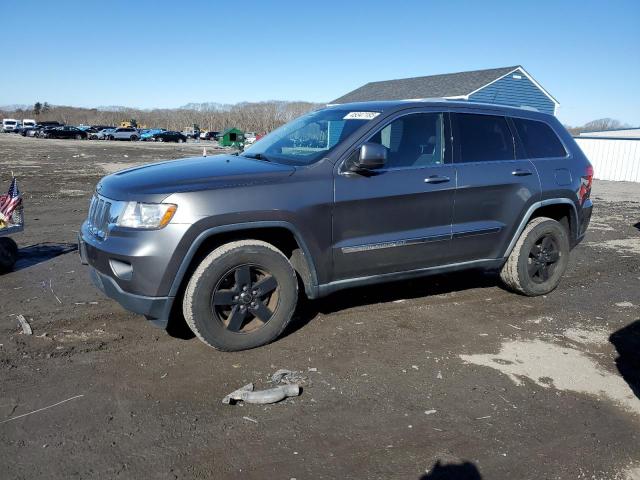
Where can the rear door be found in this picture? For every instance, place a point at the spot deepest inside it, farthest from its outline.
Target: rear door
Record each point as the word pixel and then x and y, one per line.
pixel 397 218
pixel 495 188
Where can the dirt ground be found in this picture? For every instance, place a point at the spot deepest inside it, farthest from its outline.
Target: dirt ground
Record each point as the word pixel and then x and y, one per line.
pixel 446 377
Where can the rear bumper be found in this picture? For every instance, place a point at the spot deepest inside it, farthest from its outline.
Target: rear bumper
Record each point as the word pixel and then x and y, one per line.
pixel 584 220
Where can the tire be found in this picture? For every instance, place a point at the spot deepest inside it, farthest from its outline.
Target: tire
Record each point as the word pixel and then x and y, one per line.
pixel 8 254
pixel 133 138
pixel 539 258
pixel 160 139
pixel 180 140
pixel 221 313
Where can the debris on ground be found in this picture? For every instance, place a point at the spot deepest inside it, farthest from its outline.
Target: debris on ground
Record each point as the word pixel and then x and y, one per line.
pixel 289 376
pixel 26 328
pixel 272 395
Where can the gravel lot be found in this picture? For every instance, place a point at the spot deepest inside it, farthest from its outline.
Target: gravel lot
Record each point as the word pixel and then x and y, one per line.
pixel 446 377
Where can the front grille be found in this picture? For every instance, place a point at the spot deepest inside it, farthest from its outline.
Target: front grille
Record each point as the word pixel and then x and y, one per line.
pixel 98 218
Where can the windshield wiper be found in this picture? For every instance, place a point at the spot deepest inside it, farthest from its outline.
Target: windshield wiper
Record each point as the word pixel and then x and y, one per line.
pixel 256 156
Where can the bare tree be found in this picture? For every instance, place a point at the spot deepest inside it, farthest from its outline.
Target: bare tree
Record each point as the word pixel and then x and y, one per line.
pixel 603 124
pixel 255 116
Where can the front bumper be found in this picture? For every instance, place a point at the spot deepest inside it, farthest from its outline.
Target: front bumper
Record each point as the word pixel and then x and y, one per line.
pixel 156 309
pixel 138 289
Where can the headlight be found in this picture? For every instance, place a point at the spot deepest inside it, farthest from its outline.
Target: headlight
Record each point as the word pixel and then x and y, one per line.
pixel 146 215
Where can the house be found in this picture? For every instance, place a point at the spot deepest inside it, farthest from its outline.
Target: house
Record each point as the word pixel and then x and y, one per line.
pixel 231 137
pixel 504 86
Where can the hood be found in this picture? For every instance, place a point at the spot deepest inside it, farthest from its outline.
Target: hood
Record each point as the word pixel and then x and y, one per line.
pixel 156 181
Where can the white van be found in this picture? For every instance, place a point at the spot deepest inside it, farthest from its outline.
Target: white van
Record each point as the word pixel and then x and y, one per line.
pixel 28 122
pixel 9 124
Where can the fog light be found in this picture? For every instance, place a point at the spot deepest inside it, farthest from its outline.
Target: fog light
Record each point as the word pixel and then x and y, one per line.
pixel 122 270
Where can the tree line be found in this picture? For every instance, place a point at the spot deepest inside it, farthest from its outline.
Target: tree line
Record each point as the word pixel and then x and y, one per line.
pixel 598 125
pixel 248 116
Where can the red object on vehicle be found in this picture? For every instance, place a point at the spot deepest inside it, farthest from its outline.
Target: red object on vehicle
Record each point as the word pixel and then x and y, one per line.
pixel 585 185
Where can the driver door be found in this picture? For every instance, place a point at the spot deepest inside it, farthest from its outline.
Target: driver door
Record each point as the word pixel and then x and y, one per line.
pixel 397 218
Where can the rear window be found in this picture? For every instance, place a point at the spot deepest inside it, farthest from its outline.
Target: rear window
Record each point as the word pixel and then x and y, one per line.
pixel 539 139
pixel 482 138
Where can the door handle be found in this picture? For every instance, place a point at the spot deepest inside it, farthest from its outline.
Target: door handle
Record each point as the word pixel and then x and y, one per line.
pixel 521 173
pixel 436 179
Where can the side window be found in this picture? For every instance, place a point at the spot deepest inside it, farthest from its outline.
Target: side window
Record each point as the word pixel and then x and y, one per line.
pixel 538 139
pixel 481 138
pixel 414 140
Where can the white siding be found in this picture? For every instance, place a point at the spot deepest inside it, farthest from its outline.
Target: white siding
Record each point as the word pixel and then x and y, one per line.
pixel 626 133
pixel 613 159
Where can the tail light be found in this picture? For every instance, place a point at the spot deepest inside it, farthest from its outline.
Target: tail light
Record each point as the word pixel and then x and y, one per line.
pixel 585 184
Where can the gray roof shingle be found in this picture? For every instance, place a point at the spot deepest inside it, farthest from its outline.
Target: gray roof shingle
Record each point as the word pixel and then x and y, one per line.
pixel 434 86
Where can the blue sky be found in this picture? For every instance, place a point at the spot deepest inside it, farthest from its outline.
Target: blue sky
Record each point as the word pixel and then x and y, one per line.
pixel 156 54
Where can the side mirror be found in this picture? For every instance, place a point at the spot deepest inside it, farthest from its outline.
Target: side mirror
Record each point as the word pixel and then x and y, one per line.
pixel 371 156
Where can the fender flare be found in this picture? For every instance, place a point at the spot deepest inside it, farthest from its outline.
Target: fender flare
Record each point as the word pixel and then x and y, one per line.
pixel 311 289
pixel 531 211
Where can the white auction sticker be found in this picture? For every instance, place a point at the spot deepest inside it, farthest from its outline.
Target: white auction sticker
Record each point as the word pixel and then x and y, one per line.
pixel 361 115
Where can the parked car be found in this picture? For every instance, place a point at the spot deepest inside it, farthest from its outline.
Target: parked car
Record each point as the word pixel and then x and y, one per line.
pixel 249 137
pixel 169 136
pixel 147 134
pixel 102 134
pixel 123 133
pixel 29 131
pixel 9 125
pixel 28 123
pixel 67 132
pixel 211 135
pixel 101 127
pixel 230 237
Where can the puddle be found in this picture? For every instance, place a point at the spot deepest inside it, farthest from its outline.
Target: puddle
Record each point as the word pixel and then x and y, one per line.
pixel 553 366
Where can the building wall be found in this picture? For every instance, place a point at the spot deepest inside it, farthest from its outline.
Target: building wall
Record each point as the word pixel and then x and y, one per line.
pixel 518 92
pixel 620 133
pixel 612 158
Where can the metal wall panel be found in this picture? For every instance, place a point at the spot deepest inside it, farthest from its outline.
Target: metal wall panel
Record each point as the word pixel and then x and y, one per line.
pixel 613 159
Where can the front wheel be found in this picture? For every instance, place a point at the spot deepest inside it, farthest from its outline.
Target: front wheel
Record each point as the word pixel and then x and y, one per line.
pixel 539 258
pixel 241 296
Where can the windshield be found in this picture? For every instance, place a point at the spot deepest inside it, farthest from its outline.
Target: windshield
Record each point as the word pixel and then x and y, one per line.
pixel 307 139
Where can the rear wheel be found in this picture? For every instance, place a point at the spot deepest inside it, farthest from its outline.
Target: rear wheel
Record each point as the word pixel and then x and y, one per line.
pixel 539 258
pixel 241 296
pixel 8 254
pixel 78 137
pixel 180 140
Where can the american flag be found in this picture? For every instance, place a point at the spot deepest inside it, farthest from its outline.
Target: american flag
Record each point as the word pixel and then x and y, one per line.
pixel 10 201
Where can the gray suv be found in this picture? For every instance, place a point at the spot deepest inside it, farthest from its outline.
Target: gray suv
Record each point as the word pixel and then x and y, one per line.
pixel 123 133
pixel 349 195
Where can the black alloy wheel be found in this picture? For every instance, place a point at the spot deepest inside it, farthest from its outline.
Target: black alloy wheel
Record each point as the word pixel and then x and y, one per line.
pixel 543 258
pixel 245 299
